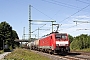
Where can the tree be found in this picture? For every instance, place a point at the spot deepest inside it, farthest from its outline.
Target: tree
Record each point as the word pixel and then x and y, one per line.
pixel 15 37
pixel 70 38
pixel 7 35
pixel 88 41
pixel 76 44
pixel 81 42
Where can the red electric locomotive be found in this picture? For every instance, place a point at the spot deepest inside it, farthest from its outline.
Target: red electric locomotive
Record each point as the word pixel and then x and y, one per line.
pixel 55 42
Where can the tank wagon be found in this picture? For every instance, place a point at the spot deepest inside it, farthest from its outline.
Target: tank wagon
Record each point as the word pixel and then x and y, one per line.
pixel 30 45
pixel 36 44
pixel 54 42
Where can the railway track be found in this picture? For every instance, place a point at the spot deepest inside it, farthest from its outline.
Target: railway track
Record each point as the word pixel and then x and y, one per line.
pixel 70 56
pixel 82 53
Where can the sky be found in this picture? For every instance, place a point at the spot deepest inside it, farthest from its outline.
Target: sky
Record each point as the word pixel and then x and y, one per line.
pixel 64 12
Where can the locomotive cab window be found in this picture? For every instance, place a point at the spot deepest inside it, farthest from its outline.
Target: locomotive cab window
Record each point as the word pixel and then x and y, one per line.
pixel 58 36
pixel 61 36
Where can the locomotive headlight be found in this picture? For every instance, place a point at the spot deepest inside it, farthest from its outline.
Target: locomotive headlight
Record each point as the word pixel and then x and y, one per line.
pixel 66 44
pixel 57 44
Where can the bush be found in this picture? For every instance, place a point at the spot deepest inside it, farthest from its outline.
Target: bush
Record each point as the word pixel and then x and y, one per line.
pixel 80 42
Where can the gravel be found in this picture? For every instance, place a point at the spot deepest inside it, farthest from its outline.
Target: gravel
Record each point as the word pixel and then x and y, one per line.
pixel 3 55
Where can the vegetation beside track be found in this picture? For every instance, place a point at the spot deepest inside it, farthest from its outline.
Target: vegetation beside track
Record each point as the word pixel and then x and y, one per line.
pixel 86 50
pixel 83 50
pixel 7 37
pixel 23 54
pixel 81 43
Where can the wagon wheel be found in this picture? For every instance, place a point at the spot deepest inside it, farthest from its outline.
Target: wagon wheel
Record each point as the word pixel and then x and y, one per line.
pixel 53 52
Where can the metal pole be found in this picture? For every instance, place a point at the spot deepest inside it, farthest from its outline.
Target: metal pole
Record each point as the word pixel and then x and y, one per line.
pixel 35 36
pixel 38 32
pixel 81 22
pixel 52 26
pixel 23 32
pixel 43 21
pixel 30 22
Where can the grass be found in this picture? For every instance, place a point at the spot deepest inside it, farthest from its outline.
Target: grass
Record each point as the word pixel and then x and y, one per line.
pixel 86 50
pixel 83 50
pixel 23 54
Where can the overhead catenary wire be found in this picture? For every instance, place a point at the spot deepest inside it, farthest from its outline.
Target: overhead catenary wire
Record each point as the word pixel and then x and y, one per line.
pixel 71 27
pixel 36 24
pixel 66 4
pixel 79 30
pixel 42 13
pixel 83 29
pixel 76 28
pixel 75 13
pixel 62 4
pixel 39 27
pixel 81 22
pixel 82 2
pixel 67 17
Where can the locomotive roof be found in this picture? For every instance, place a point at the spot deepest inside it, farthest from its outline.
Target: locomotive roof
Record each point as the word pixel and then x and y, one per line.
pixel 53 33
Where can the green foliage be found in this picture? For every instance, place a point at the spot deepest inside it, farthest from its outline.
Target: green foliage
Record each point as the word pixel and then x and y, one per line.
pixel 86 50
pixel 80 42
pixel 70 38
pixel 23 54
pixel 7 35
